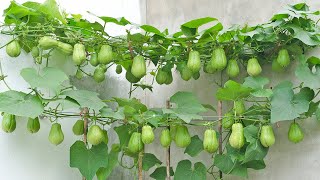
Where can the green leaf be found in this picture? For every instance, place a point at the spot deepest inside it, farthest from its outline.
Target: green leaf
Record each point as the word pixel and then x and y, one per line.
pixel 124 133
pixel 88 161
pixel 224 163
pixel 144 86
pixel 50 77
pixel 257 84
pixel 86 98
pixel 255 151
pixel 151 29
pixel 239 170
pixel 161 173
pixel 20 104
pixel 313 107
pixel 51 8
pixel 309 78
pixel 304 36
pixel 317 113
pixel 209 106
pixel 313 60
pixel 257 164
pixel 119 21
pixel 251 133
pixel 134 103
pixel 185 171
pixel 149 160
pixel 104 172
pixel 15 12
pixel 190 28
pixel 284 105
pixel 188 106
pixel 233 91
pixel 108 112
pixel 195 147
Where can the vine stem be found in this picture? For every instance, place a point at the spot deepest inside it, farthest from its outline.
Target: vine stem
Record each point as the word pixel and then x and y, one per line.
pixel 85 111
pixel 168 151
pixel 220 132
pixel 140 177
pixel 220 127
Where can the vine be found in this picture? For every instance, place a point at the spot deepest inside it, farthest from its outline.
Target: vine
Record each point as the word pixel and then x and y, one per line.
pixel 245 131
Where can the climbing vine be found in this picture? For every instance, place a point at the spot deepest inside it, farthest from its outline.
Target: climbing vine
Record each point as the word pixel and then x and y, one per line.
pixel 237 55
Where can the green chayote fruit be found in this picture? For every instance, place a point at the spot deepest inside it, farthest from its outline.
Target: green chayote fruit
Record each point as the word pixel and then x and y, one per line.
pixel 267 138
pixel 95 135
pixel 165 138
pixel 295 133
pixel 236 138
pixel 253 67
pixel 210 141
pixel 78 127
pixel 56 135
pixel 8 123
pixel 33 125
pixel 147 135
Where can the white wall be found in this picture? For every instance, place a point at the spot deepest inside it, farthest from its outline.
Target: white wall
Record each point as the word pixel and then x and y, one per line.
pixel 32 157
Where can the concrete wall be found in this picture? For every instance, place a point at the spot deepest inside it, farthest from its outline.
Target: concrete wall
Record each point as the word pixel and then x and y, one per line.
pixel 285 159
pixel 32 157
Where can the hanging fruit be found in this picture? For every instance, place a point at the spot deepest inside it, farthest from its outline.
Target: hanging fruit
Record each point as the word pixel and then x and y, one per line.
pixel 105 55
pixel 56 135
pixel 283 58
pixel 267 138
pixel 95 135
pixel 236 138
pixel 210 141
pixel 33 125
pixel 135 144
pixel 253 67
pixel 194 63
pixel 13 49
pixel 79 54
pixel 218 59
pixel 182 136
pixel 138 68
pixel 295 133
pixel 233 68
pixel 8 123
pixel 165 138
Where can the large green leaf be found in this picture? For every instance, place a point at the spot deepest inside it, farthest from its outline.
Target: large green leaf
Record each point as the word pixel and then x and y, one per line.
pixel 88 161
pixel 195 147
pixel 233 91
pixel 51 8
pixel 188 106
pixel 50 77
pixel 257 84
pixel 284 103
pixel 149 160
pixel 124 133
pixel 304 36
pixel 309 78
pixel 190 28
pixel 185 171
pixel 161 173
pixel 20 104
pixel 104 172
pixel 133 105
pixel 224 163
pixel 108 112
pixel 86 98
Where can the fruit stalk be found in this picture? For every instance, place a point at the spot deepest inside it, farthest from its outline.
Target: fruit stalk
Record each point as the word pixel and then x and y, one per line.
pixel 168 151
